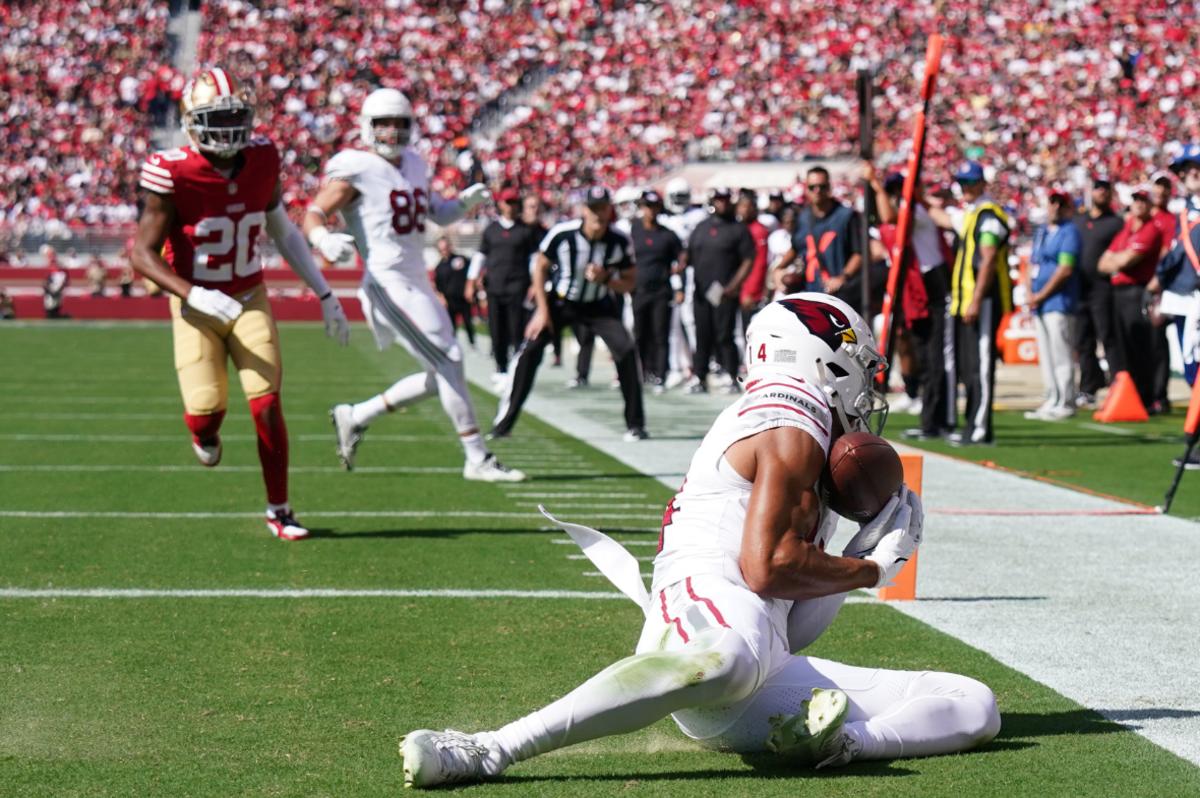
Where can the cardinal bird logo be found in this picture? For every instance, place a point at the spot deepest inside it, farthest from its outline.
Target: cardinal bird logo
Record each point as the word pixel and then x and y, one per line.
pixel 824 321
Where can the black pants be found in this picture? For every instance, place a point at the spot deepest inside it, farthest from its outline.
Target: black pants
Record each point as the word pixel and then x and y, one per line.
pixel 714 335
pixel 975 364
pixel 586 338
pixel 1134 339
pixel 651 328
pixel 1094 325
pixel 1162 361
pixel 506 322
pixel 935 347
pixel 460 314
pixel 601 318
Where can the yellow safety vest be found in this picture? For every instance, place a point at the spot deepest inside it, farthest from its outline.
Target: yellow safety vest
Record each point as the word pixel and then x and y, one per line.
pixel 966 263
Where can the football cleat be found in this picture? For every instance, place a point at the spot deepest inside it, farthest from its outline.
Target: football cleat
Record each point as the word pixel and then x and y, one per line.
pixel 492 470
pixel 207 452
pixel 283 525
pixel 814 735
pixel 349 435
pixel 636 434
pixel 432 758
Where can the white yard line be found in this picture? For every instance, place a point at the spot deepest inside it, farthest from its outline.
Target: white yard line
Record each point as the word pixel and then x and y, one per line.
pixel 225 469
pixel 576 495
pixel 569 542
pixel 307 514
pixel 293 593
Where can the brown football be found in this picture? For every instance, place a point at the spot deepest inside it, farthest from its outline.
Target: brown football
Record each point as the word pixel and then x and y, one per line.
pixel 862 474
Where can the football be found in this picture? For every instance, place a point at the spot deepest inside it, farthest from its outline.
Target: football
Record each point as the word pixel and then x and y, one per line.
pixel 862 474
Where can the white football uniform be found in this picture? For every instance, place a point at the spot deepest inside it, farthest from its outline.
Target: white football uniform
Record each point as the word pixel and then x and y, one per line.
pixel 387 220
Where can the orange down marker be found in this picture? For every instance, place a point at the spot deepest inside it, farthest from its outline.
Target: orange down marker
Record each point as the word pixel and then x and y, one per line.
pixel 904 586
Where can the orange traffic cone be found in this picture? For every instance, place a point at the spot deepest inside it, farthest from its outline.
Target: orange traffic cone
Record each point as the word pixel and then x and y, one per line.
pixel 904 586
pixel 1122 402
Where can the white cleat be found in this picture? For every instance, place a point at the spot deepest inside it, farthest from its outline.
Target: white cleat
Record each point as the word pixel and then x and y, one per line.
pixel 283 525
pixel 349 435
pixel 432 758
pixel 492 470
pixel 208 453
pixel 815 735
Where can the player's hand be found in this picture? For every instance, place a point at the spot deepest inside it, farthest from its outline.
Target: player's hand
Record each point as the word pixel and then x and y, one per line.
pixel 834 284
pixel 336 247
pixel 337 326
pixel 220 306
pixel 870 533
pixel 971 314
pixel 473 196
pixel 539 322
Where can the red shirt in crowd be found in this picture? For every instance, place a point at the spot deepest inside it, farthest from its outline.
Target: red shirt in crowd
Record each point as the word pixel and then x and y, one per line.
pixel 1148 239
pixel 1164 220
pixel 755 284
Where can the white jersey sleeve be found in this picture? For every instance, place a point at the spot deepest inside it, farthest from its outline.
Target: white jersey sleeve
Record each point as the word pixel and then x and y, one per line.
pixel 703 525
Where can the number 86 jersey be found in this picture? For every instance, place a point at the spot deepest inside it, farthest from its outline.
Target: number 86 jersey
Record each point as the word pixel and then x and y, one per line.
pixel 387 218
pixel 213 241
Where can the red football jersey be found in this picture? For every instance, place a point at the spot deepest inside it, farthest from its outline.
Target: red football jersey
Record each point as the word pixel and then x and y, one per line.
pixel 218 219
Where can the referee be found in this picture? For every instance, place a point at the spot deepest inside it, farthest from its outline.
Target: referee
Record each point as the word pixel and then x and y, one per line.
pixel 588 263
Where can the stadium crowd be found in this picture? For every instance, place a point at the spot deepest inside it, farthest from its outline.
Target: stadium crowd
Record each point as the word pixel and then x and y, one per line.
pixel 1047 92
pixel 81 85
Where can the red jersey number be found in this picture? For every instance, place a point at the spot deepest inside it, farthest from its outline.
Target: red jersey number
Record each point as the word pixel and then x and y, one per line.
pixel 408 211
pixel 225 247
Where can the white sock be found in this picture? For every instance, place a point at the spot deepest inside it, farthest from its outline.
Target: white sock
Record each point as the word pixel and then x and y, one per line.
pixel 404 392
pixel 275 509
pixel 473 445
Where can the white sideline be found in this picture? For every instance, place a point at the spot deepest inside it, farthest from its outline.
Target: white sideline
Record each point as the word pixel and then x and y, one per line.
pixel 229 469
pixel 307 514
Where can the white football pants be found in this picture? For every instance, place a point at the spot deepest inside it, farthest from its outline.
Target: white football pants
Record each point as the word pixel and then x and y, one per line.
pixel 714 656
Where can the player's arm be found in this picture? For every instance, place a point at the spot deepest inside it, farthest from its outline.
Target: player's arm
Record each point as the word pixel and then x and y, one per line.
pixel 540 320
pixel 777 560
pixel 294 249
pixel 330 199
pixel 158 213
pixel 447 211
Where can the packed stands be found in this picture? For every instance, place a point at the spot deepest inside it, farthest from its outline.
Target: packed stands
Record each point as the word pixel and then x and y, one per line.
pixel 1047 91
pixel 80 85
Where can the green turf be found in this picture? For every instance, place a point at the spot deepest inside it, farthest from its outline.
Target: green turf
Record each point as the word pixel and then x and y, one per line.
pixel 1130 461
pixel 287 697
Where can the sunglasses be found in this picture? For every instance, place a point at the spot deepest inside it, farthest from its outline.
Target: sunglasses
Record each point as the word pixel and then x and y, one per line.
pixel 817 186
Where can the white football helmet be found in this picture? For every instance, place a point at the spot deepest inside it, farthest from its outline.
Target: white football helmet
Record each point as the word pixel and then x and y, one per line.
pixel 822 340
pixel 216 113
pixel 389 141
pixel 626 199
pixel 679 195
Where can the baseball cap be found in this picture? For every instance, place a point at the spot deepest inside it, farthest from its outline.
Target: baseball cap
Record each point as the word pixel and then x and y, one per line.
pixel 508 195
pixel 719 192
pixel 1141 192
pixel 894 182
pixel 1061 196
pixel 596 196
pixel 650 197
pixel 969 172
pixel 1189 157
pixel 776 194
pixel 1101 181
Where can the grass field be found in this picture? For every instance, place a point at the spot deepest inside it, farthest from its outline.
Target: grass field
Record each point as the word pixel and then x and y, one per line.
pixel 269 695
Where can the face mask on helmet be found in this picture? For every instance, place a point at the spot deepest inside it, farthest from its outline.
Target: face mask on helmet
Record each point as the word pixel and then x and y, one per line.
pixel 390 134
pixel 222 128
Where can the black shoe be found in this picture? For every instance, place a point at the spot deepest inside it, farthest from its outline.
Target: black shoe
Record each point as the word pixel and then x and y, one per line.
pixel 636 434
pixel 918 434
pixel 1159 409
pixel 1193 461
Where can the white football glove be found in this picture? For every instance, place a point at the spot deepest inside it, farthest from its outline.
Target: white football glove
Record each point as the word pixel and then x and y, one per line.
pixel 870 533
pixel 220 306
pixel 474 195
pixel 890 538
pixel 336 324
pixel 334 247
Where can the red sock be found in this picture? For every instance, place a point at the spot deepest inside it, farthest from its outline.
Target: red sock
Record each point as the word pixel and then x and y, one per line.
pixel 204 428
pixel 267 412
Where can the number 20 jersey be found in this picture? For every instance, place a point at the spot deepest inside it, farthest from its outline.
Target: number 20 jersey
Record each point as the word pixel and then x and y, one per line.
pixel 213 241
pixel 387 218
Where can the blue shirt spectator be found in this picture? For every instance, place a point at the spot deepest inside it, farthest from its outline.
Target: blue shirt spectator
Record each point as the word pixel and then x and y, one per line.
pixel 1056 245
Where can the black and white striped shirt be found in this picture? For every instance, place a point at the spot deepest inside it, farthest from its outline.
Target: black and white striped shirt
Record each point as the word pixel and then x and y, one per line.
pixel 570 252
